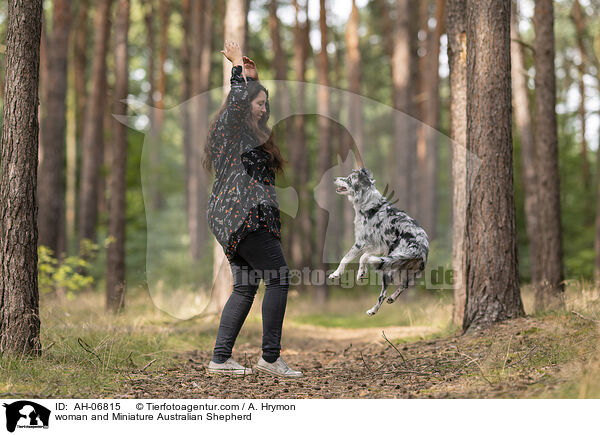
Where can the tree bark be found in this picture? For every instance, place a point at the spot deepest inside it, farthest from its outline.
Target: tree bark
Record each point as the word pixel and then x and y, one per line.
pixel 301 240
pixel 235 29
pixel 580 35
pixel 325 152
pixel 186 9
pixel 80 62
pixel 92 139
pixel 354 76
pixel 401 80
pixel 115 252
pixel 492 276
pixel 19 298
pixel 457 59
pixel 51 188
pixel 430 115
pixel 522 111
pixel 549 292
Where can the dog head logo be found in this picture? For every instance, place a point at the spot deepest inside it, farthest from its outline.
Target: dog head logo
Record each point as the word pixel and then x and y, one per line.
pixel 26 414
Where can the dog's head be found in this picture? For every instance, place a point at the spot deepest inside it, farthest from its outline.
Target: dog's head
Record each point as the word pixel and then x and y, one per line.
pixel 355 184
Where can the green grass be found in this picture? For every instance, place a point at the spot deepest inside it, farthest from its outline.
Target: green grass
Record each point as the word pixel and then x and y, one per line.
pixel 87 352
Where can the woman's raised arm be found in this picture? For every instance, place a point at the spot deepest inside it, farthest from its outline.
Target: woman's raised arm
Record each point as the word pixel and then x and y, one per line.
pixel 238 95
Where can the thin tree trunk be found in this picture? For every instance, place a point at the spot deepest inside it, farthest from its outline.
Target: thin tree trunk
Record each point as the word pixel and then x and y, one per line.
pixel 156 202
pixel 338 135
pixel 579 34
pixel 401 80
pixel 522 111
pixel 457 60
pixel 325 152
pixel 158 199
pixel 80 62
pixel 597 236
pixel 185 96
pixel 71 158
pixel 202 127
pixel 281 103
pixel 354 75
pixel 428 157
pixel 235 29
pixel 115 252
pixel 93 131
pixel 51 172
pixel 19 298
pixel 550 290
pixel 301 241
pixel 492 274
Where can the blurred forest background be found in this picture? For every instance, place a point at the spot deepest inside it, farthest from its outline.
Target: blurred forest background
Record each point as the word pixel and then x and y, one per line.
pixel 173 54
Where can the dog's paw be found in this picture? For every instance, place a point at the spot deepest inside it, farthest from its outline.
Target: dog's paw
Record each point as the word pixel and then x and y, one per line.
pixel 334 275
pixel 390 300
pixel 362 274
pixel 371 312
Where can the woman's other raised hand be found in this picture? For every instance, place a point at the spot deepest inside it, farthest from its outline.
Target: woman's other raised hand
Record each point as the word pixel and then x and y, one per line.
pixel 250 68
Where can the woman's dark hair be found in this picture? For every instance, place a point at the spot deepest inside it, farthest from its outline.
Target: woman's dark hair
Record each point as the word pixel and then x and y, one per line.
pixel 259 130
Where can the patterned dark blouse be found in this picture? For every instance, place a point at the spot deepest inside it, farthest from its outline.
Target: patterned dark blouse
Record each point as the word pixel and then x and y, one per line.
pixel 243 195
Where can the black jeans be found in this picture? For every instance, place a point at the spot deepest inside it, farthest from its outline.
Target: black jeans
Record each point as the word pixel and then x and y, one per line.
pixel 259 256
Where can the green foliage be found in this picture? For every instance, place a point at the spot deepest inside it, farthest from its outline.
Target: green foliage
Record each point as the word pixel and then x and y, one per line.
pixel 70 274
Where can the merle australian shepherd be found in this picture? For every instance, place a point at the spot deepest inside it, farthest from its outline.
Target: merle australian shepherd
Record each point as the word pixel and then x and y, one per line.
pixel 386 238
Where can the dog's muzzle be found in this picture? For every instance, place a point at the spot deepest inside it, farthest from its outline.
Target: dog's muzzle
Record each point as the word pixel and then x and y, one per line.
pixel 340 188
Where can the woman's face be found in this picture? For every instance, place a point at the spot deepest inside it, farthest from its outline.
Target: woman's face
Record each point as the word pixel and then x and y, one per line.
pixel 259 106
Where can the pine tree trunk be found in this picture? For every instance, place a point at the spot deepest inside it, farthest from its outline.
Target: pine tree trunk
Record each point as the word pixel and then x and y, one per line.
pixel 492 276
pixel 428 160
pixel 580 35
pixel 401 80
pixel 19 298
pixel 550 289
pixel 325 152
pixel 185 95
pixel 522 111
pixel 301 241
pixel 80 62
pixel 115 252
pixel 457 58
pixel 51 172
pixel 281 104
pixel 93 131
pixel 235 29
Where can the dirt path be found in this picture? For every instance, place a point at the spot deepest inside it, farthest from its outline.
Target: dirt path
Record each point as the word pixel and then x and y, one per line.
pixel 521 358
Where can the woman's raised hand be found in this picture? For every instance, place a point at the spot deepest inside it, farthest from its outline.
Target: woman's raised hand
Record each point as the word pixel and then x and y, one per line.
pixel 250 68
pixel 233 52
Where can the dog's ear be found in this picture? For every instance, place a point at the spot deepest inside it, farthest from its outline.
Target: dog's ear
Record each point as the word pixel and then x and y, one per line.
pixel 368 174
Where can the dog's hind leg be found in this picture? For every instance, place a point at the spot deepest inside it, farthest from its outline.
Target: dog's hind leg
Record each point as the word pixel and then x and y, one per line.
pixel 384 284
pixel 405 283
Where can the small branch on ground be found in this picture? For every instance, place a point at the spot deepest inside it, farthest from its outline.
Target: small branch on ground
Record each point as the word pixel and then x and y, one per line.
pixel 392 344
pixel 584 318
pixel 87 348
pixel 148 365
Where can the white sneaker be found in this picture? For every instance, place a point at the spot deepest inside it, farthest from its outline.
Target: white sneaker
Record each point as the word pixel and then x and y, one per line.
pixel 278 368
pixel 229 367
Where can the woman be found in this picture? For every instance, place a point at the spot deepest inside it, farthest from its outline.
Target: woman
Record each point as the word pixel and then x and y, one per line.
pixel 243 214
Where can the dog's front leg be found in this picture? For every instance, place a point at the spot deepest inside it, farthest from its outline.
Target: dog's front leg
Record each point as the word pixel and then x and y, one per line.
pixel 362 266
pixel 354 252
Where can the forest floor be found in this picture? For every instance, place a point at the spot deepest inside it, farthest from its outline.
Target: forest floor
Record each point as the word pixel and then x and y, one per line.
pixel 408 350
pixel 528 357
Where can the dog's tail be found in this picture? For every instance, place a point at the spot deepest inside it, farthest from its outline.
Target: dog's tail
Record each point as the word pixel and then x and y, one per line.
pixel 400 261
